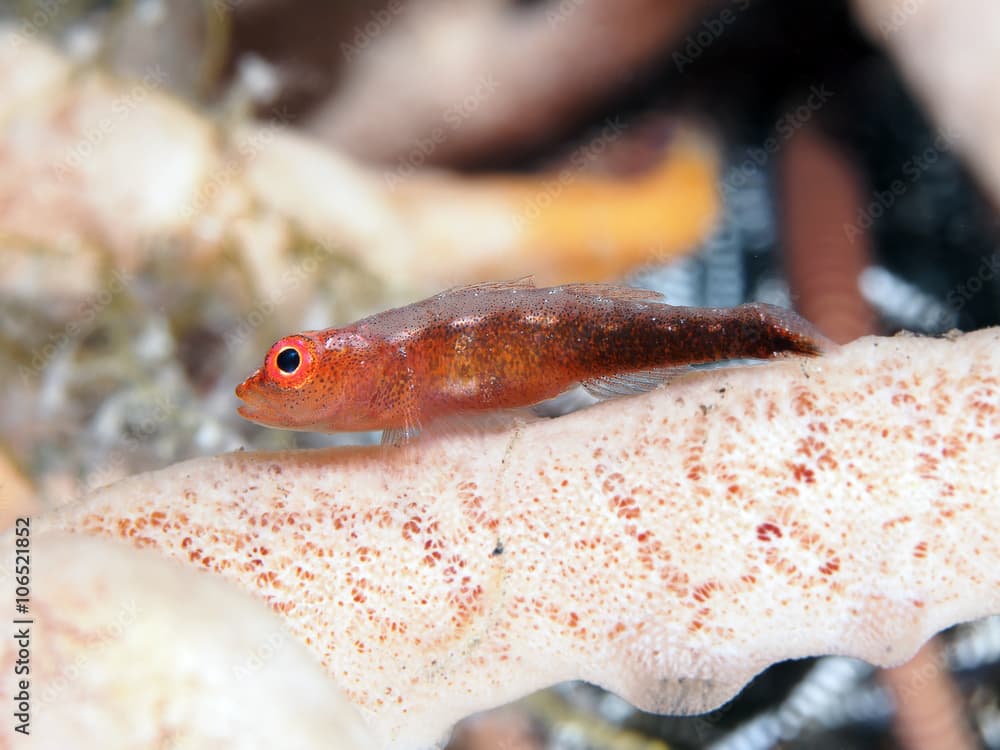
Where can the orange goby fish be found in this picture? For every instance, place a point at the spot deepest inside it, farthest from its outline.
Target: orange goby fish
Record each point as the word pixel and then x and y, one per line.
pixel 500 346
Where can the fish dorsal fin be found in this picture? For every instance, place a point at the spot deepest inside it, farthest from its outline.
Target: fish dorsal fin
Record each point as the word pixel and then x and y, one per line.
pixel 612 291
pixel 525 282
pixel 628 383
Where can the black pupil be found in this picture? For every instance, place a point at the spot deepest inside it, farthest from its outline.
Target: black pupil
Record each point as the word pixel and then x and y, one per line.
pixel 288 360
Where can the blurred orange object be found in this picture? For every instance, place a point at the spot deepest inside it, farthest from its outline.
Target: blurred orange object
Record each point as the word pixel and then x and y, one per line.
pixel 568 224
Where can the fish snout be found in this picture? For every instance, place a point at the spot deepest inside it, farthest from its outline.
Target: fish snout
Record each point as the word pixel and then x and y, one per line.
pixel 249 393
pixel 246 389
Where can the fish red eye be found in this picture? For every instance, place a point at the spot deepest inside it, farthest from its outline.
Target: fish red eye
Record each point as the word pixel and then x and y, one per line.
pixel 289 361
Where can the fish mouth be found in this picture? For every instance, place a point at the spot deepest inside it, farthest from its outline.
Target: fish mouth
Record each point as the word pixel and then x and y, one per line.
pixel 247 393
pixel 247 413
pixel 259 405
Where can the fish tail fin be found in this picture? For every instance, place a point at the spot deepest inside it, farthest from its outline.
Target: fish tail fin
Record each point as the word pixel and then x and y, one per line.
pixel 770 330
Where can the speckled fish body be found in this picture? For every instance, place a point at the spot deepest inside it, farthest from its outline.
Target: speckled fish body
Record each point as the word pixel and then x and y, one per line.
pixel 499 346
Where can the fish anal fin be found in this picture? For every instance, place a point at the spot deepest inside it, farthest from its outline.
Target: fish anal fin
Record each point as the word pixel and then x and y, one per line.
pixel 459 423
pixel 629 383
pixel 478 422
pixel 570 400
pixel 611 291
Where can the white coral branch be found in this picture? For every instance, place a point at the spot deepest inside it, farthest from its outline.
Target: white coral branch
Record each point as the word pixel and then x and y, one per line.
pixel 667 546
pixel 127 650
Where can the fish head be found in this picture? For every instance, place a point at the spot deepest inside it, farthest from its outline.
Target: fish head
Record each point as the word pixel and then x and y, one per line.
pixel 305 383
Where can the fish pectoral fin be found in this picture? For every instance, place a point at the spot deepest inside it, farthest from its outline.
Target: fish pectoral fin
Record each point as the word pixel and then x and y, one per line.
pixel 611 291
pixel 629 383
pixel 395 436
pixel 404 433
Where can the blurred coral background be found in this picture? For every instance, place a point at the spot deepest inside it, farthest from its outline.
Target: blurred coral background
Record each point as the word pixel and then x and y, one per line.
pixel 183 182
